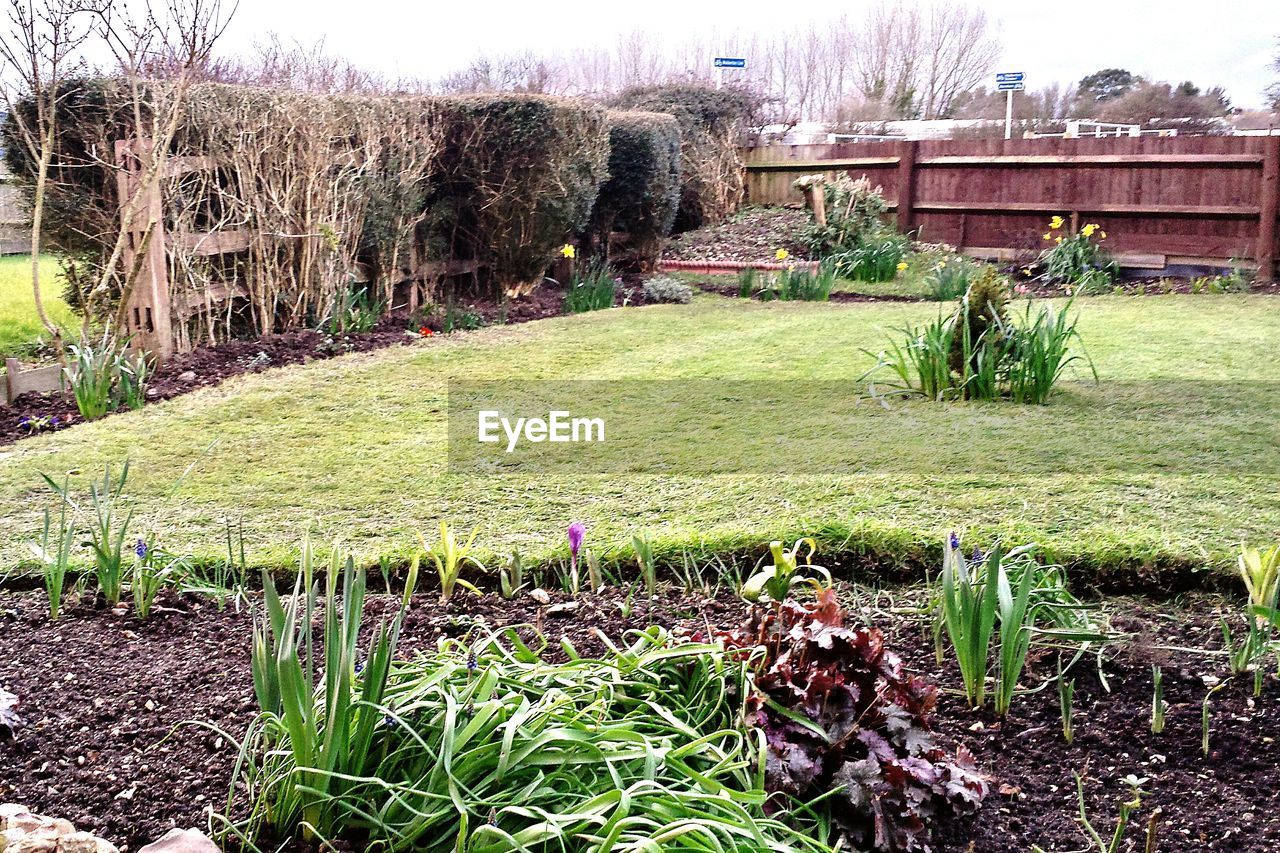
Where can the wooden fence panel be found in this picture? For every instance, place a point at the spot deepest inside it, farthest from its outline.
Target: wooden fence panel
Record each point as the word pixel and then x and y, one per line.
pixel 1206 199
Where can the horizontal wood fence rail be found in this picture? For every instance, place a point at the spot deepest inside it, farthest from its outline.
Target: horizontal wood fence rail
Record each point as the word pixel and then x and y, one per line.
pixel 1162 201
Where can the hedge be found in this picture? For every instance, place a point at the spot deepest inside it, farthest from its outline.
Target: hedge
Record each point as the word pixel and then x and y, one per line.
pixel 642 194
pixel 327 186
pixel 711 122
pixel 520 174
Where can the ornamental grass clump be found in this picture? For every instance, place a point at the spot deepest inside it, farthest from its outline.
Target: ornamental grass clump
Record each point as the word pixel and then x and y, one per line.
pixel 483 745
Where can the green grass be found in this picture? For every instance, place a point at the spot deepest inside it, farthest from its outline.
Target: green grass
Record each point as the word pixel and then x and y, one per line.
pixel 19 326
pixel 1170 462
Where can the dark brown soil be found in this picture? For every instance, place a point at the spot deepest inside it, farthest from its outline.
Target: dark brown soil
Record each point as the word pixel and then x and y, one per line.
pixel 105 698
pixel 32 414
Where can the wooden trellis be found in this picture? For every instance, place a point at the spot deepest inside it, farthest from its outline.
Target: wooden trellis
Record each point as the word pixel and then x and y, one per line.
pixel 152 306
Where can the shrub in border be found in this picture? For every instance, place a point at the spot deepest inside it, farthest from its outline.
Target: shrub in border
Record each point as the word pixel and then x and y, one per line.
pixel 520 174
pixel 642 194
pixel 711 120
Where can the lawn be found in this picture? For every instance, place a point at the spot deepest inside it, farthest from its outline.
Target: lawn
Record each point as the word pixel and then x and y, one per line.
pixel 1170 461
pixel 19 325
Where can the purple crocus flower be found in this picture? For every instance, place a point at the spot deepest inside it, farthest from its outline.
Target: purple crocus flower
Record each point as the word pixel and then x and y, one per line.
pixel 955 541
pixel 577 531
pixel 140 549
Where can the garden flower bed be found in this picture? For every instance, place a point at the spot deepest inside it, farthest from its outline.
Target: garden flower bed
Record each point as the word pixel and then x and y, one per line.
pixel 107 700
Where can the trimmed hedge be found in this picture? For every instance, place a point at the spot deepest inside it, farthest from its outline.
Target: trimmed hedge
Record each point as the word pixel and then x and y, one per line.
pixel 642 193
pixel 519 175
pixel 711 121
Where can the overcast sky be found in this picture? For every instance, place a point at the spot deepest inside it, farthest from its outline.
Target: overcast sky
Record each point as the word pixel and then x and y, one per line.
pixel 1219 42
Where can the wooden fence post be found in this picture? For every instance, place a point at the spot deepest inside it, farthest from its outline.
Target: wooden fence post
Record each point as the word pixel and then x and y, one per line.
pixel 148 316
pixel 906 185
pixel 1269 209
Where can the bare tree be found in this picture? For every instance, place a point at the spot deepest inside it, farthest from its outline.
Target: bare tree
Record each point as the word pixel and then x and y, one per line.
pixel 959 49
pixel 176 46
pixel 40 51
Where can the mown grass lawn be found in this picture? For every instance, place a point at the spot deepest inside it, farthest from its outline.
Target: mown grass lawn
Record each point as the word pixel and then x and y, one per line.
pixel 1170 461
pixel 19 325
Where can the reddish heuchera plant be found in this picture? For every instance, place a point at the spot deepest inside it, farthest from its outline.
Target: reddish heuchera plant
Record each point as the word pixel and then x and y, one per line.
pixel 837 709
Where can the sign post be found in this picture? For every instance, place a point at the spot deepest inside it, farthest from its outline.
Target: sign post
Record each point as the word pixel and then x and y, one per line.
pixel 1009 82
pixel 723 62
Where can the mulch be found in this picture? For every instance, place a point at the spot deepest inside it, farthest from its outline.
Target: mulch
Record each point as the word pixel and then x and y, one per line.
pixel 752 235
pixel 108 701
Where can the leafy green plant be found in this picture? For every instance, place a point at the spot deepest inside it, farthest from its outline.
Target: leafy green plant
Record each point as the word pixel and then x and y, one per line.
pixel 132 375
pixel 775 582
pixel 974 599
pixel 91 374
pixel 920 364
pixel 747 282
pixel 54 551
pixel 594 576
pixel 511 576
pixel 152 570
pixel 591 289
pixel 666 289
pixel 1205 717
pixel 108 528
pixel 855 212
pixel 1127 808
pixel 1042 349
pixel 1260 571
pixel 224 580
pixel 978 353
pixel 355 310
pixel 1078 260
pixel 802 285
pixel 451 556
pixel 485 745
pixel 643 547
pixel 874 259
pixel 949 278
pixel 323 732
pixel 1066 698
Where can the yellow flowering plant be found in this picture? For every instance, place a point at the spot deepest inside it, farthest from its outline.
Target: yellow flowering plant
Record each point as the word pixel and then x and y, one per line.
pixel 1077 260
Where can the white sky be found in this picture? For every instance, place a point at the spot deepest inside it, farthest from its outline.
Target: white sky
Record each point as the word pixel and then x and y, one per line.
pixel 1212 42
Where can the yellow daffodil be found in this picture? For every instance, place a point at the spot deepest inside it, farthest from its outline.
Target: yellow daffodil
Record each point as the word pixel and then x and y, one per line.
pixel 1056 222
pixel 1089 229
pixel 902 265
pixel 1102 235
pixel 782 254
pixel 567 251
pixel 1057 239
pixel 1047 235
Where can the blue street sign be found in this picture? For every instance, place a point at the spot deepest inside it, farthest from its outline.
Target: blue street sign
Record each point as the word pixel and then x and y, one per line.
pixel 1010 87
pixel 730 62
pixel 1009 77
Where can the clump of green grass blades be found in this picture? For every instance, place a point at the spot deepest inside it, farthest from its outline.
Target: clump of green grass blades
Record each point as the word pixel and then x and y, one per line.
pixel 485 746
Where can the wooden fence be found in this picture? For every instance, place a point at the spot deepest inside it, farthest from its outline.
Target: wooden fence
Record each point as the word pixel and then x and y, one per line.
pixel 1185 200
